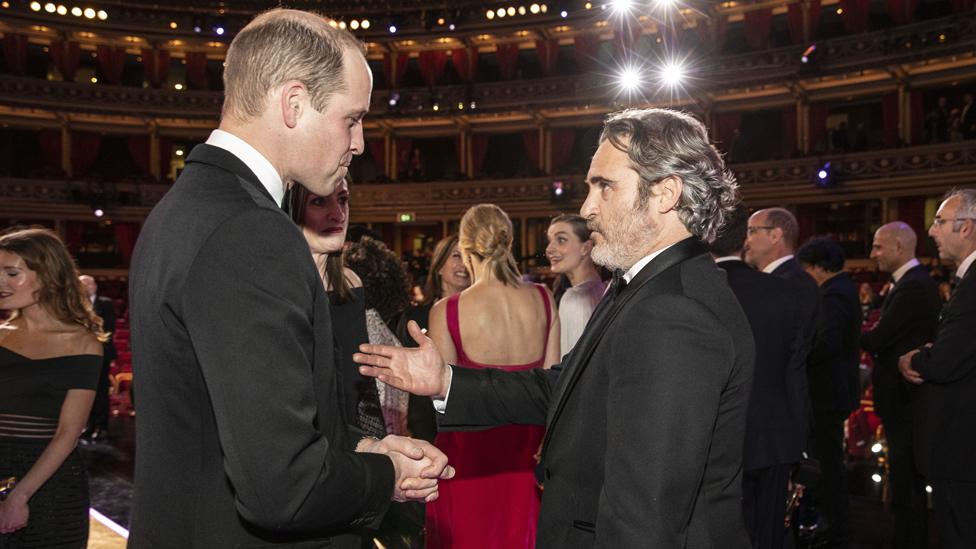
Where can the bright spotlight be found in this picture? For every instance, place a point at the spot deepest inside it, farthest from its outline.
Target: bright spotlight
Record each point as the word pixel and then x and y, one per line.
pixel 928 489
pixel 511 11
pixel 364 24
pixel 564 14
pixel 808 53
pixel 629 79
pixel 876 448
pixel 102 14
pixel 521 10
pixel 179 152
pixel 178 86
pixel 393 29
pixel 500 12
pixel 490 14
pixel 544 8
pixel 99 212
pixel 534 8
pixel 672 74
pixel 354 24
pixel 50 8
pixel 822 174
pixel 876 478
pixel 664 4
pixel 89 13
pixel 76 11
pixel 62 10
pixel 449 27
pixel 622 7
pixel 35 6
pixel 219 31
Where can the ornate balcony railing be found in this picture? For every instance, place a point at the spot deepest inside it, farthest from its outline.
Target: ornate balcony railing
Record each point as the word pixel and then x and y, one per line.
pixel 921 170
pixel 937 38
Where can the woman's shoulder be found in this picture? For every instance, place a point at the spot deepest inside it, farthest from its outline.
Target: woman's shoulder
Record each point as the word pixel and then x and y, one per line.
pixel 81 341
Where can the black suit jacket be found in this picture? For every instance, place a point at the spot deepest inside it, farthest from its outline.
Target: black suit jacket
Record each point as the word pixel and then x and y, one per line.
pixel 909 316
pixel 105 309
pixel 776 427
pixel 834 361
pixel 645 417
pixel 809 307
pixel 240 441
pixel 945 413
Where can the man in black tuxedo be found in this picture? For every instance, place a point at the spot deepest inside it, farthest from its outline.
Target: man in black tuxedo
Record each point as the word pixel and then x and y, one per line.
pixel 240 437
pixel 909 315
pixel 833 374
pixel 945 372
pixel 646 415
pixel 105 309
pixel 776 425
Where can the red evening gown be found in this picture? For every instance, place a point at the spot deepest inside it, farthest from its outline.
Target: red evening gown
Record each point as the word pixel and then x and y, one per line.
pixel 493 501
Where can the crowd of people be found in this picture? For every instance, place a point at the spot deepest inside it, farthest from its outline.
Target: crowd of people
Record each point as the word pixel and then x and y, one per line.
pixel 697 399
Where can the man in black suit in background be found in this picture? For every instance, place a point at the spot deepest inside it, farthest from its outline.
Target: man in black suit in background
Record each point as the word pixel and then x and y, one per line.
pixel 105 309
pixel 776 425
pixel 945 372
pixel 833 374
pixel 240 437
pixel 909 315
pixel 645 418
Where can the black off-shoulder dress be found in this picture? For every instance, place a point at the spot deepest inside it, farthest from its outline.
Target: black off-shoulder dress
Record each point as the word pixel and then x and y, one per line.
pixel 32 392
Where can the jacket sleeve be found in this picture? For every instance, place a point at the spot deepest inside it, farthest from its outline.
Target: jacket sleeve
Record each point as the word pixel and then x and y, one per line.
pixel 249 318
pixel 953 354
pixel 829 342
pixel 673 372
pixel 892 328
pixel 487 397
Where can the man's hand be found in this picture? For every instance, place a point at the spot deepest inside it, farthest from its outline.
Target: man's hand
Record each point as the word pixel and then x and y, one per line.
pixel 420 370
pixel 905 367
pixel 418 466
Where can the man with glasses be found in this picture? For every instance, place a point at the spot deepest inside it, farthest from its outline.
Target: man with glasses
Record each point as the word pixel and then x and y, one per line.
pixel 945 373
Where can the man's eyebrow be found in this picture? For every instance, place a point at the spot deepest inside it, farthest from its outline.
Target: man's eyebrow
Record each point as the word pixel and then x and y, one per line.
pixel 597 179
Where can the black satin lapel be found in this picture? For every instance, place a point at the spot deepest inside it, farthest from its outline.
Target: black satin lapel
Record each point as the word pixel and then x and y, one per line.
pixel 581 355
pixel 221 158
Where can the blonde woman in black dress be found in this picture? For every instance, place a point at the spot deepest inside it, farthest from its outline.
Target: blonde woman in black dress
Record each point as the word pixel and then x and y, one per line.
pixel 50 360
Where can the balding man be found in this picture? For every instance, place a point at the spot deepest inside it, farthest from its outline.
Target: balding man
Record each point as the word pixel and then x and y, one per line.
pixel 240 439
pixel 945 409
pixel 909 316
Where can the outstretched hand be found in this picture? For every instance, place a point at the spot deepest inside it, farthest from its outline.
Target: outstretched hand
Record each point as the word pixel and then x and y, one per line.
pixel 419 370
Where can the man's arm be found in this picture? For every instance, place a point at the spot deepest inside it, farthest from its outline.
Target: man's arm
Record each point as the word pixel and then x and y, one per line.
pixel 953 355
pixel 895 325
pixel 488 397
pixel 669 363
pixel 247 314
pixel 829 341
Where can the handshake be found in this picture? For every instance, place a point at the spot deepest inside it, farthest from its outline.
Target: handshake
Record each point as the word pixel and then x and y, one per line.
pixel 418 466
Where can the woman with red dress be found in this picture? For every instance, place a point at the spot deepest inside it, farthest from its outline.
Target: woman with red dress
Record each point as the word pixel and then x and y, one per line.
pixel 498 322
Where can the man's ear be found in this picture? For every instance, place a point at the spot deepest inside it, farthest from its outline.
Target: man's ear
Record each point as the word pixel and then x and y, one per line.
pixel 668 193
pixel 293 99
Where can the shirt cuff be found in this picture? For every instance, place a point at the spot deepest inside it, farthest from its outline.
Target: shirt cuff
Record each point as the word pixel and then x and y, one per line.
pixel 440 405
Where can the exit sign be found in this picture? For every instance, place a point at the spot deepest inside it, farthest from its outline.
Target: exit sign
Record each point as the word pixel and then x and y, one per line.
pixel 406 217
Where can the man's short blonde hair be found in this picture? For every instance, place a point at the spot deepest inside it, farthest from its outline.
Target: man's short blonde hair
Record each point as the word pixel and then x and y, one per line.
pixel 278 46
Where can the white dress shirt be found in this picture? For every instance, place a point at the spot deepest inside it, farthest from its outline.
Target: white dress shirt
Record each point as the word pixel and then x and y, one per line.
pixel 255 161
pixel 768 269
pixel 900 271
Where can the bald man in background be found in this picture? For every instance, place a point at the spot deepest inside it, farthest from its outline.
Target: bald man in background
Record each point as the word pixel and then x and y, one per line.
pixel 909 317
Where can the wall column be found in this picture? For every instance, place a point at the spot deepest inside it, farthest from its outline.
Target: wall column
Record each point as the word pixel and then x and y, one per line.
pixel 66 149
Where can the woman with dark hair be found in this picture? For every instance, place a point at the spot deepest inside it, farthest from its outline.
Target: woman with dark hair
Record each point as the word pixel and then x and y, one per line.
pixel 569 256
pixel 50 361
pixel 324 221
pixel 493 501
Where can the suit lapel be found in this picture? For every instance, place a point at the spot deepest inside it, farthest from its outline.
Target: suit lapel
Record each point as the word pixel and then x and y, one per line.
pixel 579 359
pixel 225 160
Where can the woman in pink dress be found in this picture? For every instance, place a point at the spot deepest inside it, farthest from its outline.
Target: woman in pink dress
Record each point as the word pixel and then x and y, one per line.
pixel 498 322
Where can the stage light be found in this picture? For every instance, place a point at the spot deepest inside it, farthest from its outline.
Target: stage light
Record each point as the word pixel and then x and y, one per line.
pixel 460 106
pixel 876 478
pixel 5 4
pixel 544 8
pixel 440 21
pixel 50 8
pixel 196 28
pixel 500 12
pixel 178 86
pixel 510 11
pixel 451 26
pixel 364 24
pixel 826 176
pixel 621 7
pixel 473 105
pixel 877 447
pixel 102 14
pixel 672 74
pixel 219 31
pixel 179 152
pixel 98 212
pixel 629 79
pixel 664 4
pixel 521 10
pixel 822 174
pixel 76 11
pixel 564 14
pixel 490 15
pixel 35 6
pixel 354 24
pixel 808 53
pixel 89 13
pixel 928 489
pixel 393 29
pixel 342 25
pixel 534 8
pixel 173 25
pixel 436 107
pixel 94 80
pixel 557 191
pixel 333 23
pixel 588 5
pixel 394 99
pixel 62 10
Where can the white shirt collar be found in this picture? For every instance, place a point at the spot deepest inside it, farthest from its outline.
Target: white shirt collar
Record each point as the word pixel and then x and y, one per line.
pixel 727 258
pixel 966 263
pixel 255 161
pixel 632 272
pixel 768 269
pixel 900 272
